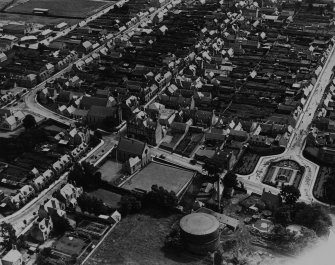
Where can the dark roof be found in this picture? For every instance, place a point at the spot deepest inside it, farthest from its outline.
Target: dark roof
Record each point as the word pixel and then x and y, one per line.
pixel 98 111
pixel 270 199
pixel 131 146
pixel 87 102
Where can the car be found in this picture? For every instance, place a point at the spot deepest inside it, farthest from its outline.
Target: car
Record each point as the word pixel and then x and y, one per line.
pixel 162 156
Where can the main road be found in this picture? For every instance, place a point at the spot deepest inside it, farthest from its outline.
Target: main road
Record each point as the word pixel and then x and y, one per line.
pixel 297 141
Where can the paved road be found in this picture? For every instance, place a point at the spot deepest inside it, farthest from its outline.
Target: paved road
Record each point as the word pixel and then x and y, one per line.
pixel 31 105
pixel 27 212
pixel 297 142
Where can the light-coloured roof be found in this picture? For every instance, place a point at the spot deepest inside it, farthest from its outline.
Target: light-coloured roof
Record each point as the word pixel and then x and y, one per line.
pixel 199 224
pixel 12 256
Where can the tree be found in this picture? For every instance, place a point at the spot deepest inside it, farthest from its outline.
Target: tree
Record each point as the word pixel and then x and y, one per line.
pixel 279 234
pixel 8 235
pixel 311 216
pixel 211 167
pixel 160 197
pixel 129 204
pixel 84 175
pixel 29 122
pixel 92 204
pixel 229 182
pixel 60 225
pixel 289 194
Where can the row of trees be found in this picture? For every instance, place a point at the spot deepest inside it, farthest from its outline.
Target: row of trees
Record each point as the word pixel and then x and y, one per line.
pixel 157 198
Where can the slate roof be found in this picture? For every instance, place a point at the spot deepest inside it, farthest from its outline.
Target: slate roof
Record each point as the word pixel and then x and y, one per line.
pixel 131 146
pixel 101 111
pixel 87 102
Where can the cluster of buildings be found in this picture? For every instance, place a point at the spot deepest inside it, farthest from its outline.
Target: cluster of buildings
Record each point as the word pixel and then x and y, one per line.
pixel 54 208
pixel 25 60
pixel 74 140
pixel 10 120
pixel 322 135
pixel 250 65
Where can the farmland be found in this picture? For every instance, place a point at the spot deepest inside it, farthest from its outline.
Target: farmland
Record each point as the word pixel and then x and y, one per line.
pixel 61 8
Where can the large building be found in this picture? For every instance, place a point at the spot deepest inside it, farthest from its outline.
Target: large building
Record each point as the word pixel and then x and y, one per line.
pixel 200 233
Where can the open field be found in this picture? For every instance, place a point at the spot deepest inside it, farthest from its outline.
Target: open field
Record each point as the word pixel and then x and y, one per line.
pixel 170 178
pixel 110 198
pixel 138 239
pixel 62 8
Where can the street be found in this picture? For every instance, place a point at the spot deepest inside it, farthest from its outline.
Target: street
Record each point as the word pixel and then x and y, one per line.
pixel 297 141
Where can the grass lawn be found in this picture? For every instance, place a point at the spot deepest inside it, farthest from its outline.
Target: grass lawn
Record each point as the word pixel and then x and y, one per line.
pixel 108 197
pixel 169 177
pixel 74 8
pixel 110 170
pixel 138 239
pixel 69 247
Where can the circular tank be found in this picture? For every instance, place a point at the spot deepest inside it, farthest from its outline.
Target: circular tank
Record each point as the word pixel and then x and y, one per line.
pixel 200 232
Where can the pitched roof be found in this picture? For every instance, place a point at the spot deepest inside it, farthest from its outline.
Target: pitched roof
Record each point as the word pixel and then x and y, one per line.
pixel 100 111
pixel 12 256
pixel 270 199
pixel 131 146
pixel 87 102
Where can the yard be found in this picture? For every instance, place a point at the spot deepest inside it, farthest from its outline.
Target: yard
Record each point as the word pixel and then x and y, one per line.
pixel 68 245
pixel 247 163
pixel 110 171
pixel 110 198
pixel 74 8
pixel 139 239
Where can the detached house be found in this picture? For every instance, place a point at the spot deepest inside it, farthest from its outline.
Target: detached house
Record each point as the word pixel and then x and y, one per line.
pixel 41 229
pixel 13 257
pixel 12 122
pixel 53 208
pixel 69 194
